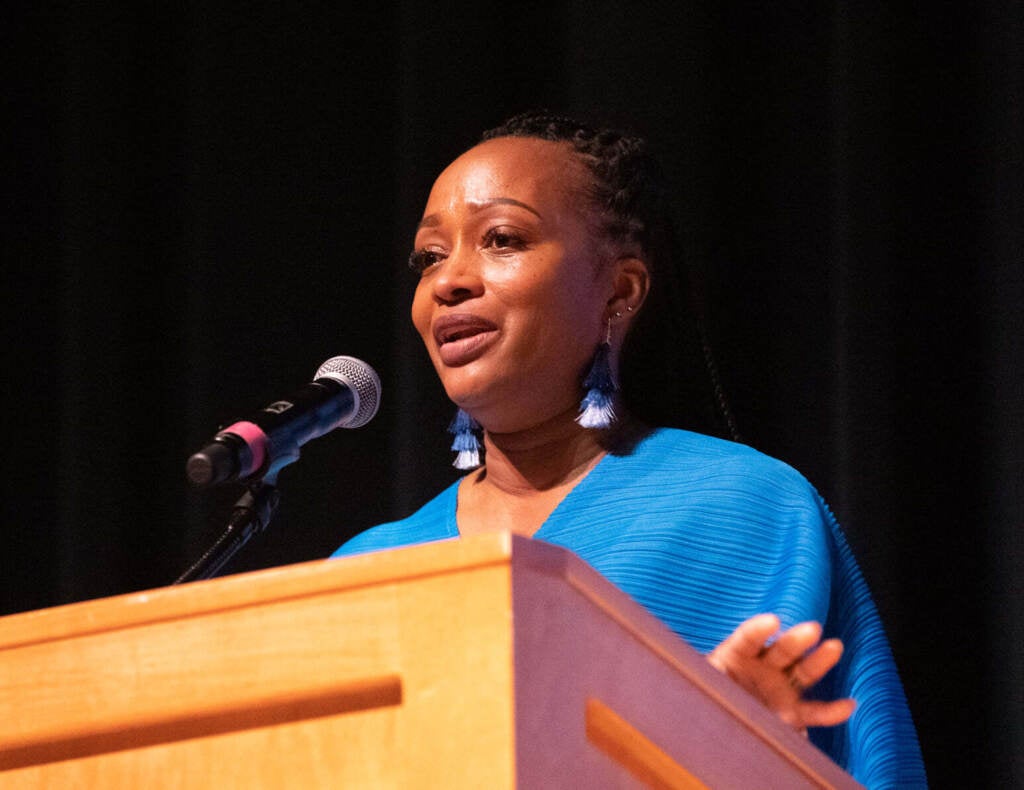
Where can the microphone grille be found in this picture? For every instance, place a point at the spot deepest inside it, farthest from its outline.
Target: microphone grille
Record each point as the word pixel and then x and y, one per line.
pixel 361 379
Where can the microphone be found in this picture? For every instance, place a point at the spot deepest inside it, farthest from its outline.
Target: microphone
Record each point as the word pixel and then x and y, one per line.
pixel 344 393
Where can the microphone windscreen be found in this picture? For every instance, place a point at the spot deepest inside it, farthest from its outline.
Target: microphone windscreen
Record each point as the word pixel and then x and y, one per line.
pixel 361 379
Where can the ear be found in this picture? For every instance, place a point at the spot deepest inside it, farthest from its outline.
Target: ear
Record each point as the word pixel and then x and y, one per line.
pixel 630 283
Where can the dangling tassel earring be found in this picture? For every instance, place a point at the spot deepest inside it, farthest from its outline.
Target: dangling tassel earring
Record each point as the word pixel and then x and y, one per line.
pixel 466 444
pixel 597 409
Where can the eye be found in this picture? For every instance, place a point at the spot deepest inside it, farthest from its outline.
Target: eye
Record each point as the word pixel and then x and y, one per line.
pixel 503 239
pixel 421 260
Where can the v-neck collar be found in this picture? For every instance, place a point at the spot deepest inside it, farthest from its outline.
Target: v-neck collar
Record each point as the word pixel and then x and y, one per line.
pixel 550 524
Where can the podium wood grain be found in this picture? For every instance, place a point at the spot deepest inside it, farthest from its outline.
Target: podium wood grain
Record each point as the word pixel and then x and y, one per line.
pixel 491 661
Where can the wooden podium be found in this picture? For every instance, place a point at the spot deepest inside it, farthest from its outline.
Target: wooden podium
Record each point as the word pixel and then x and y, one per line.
pixel 485 662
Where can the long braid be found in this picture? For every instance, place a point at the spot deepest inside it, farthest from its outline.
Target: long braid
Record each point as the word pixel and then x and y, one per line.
pixel 711 365
pixel 629 193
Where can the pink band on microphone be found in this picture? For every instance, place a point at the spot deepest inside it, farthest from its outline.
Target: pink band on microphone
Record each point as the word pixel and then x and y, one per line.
pixel 254 437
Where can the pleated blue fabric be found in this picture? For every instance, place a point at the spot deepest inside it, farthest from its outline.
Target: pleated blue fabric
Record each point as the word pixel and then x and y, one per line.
pixel 705 533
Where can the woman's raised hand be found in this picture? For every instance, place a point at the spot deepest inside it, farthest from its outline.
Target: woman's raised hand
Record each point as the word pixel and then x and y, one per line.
pixel 778 672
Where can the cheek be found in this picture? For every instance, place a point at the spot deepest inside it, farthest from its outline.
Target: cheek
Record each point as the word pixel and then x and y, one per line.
pixel 556 322
pixel 545 284
pixel 420 310
pixel 562 298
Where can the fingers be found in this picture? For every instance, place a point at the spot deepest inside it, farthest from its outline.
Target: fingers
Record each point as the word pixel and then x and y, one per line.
pixel 779 672
pixel 815 664
pixel 748 640
pixel 815 713
pixel 792 645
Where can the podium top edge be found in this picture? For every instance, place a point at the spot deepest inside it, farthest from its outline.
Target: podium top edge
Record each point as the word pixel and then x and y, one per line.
pixel 314 577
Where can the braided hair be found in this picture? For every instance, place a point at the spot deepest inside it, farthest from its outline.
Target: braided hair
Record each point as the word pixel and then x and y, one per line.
pixel 627 187
pixel 629 194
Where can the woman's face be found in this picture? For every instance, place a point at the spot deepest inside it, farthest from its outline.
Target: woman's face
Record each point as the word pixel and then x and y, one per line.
pixel 513 293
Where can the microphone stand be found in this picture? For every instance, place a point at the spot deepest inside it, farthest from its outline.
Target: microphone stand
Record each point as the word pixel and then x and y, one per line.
pixel 250 516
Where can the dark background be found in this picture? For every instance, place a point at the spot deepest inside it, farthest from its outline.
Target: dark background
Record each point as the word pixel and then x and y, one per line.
pixel 204 205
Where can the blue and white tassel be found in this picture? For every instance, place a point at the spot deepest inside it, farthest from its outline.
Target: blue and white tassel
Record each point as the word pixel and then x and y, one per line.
pixel 597 410
pixel 466 444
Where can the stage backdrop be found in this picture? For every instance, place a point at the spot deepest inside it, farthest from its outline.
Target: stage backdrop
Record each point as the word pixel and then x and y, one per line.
pixel 204 205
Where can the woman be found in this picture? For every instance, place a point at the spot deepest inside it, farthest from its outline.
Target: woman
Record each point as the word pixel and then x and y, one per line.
pixel 537 251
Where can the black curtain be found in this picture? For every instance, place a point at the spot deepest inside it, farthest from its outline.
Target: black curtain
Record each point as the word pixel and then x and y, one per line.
pixel 203 205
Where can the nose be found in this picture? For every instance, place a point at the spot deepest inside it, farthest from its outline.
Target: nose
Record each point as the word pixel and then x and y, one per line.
pixel 459 276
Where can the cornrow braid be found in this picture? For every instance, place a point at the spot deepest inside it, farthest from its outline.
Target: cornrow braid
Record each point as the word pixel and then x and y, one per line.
pixel 629 193
pixel 627 186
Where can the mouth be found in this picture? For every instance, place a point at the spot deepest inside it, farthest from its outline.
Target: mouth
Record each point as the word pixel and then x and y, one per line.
pixel 462 337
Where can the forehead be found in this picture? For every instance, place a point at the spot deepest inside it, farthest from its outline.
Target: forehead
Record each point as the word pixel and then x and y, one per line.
pixel 524 168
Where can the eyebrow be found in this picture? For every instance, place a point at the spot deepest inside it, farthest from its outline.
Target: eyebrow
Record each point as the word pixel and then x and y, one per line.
pixel 433 220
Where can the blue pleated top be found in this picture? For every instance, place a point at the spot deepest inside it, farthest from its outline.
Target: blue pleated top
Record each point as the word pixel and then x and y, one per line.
pixel 705 533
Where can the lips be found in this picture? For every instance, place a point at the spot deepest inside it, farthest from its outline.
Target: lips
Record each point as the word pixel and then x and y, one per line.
pixel 462 337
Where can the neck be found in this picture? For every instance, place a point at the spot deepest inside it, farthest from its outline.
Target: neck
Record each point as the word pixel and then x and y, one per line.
pixel 553 454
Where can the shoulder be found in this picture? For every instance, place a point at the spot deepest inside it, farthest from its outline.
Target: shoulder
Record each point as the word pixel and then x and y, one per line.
pixel 690 458
pixel 715 490
pixel 434 521
pixel 704 532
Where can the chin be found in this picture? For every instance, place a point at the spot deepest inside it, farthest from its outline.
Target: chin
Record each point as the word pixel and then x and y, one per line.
pixel 468 399
pixel 469 385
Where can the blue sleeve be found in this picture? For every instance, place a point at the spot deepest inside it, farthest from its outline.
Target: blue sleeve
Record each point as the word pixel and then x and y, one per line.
pixel 879 744
pixel 745 534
